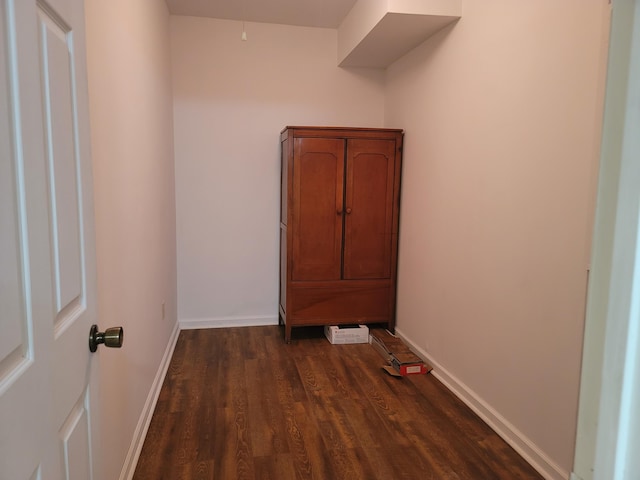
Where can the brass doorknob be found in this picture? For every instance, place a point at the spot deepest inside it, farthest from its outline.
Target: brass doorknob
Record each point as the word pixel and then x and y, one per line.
pixel 111 337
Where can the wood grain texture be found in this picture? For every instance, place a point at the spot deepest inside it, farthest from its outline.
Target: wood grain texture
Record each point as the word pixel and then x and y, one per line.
pixel 370 209
pixel 238 403
pixel 318 178
pixel 342 190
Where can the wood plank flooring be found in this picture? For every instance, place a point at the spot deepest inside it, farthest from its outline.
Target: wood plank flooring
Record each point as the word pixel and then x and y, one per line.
pixel 239 403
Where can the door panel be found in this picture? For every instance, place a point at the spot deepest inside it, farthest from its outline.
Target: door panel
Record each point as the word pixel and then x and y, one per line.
pixel 47 274
pixel 369 207
pixel 60 135
pixel 13 345
pixel 318 171
pixel 74 440
pixel 25 301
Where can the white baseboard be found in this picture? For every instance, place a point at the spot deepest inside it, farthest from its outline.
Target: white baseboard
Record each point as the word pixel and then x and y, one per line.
pixel 520 443
pixel 129 467
pixel 225 322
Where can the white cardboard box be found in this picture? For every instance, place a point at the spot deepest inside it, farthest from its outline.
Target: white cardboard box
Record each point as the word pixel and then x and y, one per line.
pixel 347 334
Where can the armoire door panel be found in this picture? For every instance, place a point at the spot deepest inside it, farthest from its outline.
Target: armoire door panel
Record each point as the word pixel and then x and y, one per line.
pixel 369 207
pixel 318 176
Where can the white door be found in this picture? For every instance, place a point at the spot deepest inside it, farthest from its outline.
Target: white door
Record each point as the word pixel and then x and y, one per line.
pixel 47 265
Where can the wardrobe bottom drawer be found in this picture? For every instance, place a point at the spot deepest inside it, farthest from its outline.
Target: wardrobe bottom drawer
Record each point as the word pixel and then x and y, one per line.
pixel 322 305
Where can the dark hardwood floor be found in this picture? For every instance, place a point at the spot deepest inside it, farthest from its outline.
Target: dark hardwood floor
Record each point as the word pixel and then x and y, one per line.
pixel 239 403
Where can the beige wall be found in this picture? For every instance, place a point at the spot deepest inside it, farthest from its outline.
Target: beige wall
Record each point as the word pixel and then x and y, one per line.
pixel 231 100
pixel 132 143
pixel 502 118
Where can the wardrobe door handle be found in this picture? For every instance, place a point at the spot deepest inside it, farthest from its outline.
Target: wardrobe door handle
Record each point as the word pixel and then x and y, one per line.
pixel 339 212
pixel 348 210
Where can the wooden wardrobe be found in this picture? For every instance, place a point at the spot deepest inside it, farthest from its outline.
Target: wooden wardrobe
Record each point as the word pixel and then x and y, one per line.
pixel 339 226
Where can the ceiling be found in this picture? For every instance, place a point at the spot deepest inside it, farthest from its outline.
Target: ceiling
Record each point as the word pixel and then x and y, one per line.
pixel 310 13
